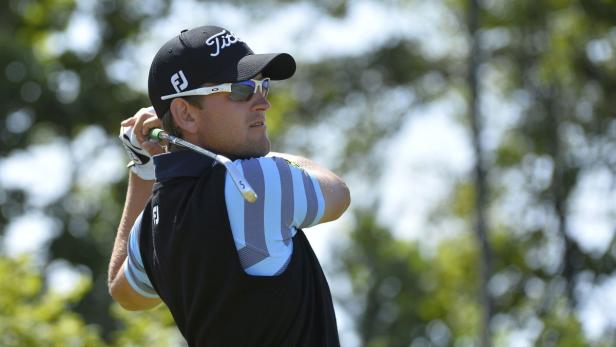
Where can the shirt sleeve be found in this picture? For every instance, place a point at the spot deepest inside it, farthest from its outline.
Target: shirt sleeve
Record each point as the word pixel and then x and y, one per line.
pixel 288 197
pixel 133 267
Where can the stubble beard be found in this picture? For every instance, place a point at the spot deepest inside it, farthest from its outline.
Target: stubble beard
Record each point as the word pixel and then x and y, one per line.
pixel 254 148
pixel 261 147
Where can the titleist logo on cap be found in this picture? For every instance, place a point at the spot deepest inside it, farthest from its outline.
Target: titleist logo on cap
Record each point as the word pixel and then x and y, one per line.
pixel 222 40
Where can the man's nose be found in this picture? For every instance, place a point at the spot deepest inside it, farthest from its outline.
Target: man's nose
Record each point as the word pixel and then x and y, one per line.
pixel 260 102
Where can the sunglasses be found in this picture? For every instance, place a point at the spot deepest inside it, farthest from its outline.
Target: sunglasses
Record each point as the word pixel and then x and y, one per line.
pixel 240 91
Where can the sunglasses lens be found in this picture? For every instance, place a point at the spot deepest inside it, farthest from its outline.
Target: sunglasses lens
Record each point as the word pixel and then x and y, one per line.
pixel 242 91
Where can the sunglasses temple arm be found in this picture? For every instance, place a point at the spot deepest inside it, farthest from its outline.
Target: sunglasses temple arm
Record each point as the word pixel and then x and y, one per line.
pixel 178 95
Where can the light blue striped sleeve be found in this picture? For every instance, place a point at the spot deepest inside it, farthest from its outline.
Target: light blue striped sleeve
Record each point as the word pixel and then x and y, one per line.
pixel 320 202
pixel 315 202
pixel 288 197
pixel 303 204
pixel 235 206
pixel 133 267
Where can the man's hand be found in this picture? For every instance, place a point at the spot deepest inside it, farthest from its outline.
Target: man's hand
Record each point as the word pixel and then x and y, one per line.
pixel 142 122
pixel 133 135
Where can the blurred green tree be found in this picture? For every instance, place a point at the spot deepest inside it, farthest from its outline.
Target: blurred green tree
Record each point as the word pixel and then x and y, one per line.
pixel 552 61
pixel 32 315
pixel 403 295
pixel 54 90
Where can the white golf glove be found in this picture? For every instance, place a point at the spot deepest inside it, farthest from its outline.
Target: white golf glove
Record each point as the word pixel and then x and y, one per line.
pixel 141 164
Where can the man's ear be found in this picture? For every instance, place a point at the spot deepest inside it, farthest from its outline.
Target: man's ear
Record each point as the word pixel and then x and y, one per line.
pixel 182 116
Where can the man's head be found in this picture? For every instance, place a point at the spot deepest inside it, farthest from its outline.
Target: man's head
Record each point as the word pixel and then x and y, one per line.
pixel 207 60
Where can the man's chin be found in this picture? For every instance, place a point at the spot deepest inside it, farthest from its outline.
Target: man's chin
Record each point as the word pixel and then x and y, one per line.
pixel 257 154
pixel 261 149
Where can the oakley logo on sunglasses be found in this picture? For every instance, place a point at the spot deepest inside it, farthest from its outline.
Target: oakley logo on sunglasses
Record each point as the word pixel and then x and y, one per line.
pixel 179 81
pixel 221 41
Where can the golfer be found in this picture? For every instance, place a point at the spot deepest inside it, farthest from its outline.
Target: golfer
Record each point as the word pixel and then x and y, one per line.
pixel 232 272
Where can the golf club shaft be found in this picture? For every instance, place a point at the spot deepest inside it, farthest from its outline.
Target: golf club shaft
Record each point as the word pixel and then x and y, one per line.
pixel 240 183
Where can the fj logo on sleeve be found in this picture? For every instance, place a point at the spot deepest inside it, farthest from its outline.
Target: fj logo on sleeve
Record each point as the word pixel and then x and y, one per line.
pixel 179 81
pixel 155 216
pixel 221 41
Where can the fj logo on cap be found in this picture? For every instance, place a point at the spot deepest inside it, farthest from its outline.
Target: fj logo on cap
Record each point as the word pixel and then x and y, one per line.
pixel 179 81
pixel 222 40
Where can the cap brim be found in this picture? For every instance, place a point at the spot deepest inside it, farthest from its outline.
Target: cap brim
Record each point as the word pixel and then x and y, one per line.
pixel 276 66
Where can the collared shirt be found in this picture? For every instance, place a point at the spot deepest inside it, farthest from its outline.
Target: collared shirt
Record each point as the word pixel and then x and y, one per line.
pixel 289 198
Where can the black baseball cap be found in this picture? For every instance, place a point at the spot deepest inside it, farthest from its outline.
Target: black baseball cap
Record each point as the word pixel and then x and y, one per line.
pixel 209 54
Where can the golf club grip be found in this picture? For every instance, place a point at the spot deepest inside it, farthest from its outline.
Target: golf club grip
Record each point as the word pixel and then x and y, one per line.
pixel 241 184
pixel 157 134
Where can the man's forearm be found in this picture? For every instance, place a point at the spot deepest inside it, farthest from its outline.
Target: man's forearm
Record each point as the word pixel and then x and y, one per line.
pixel 137 195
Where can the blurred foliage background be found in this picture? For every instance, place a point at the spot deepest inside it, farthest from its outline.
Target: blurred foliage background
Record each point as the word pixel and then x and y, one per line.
pixel 500 255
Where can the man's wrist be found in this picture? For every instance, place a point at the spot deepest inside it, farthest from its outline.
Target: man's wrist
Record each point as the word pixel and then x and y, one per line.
pixel 144 171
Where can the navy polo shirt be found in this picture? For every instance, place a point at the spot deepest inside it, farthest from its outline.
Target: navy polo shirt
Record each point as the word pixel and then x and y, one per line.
pixel 290 198
pixel 197 241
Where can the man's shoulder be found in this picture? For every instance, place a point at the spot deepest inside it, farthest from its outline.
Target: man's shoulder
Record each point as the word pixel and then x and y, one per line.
pixel 263 161
pixel 181 164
